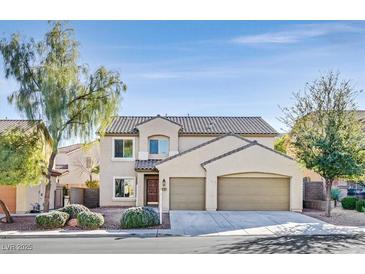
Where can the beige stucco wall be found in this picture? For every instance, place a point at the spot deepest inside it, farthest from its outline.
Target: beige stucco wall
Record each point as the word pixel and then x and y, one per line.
pixel 266 141
pixel 314 177
pixel 110 168
pixel 28 195
pixel 254 159
pixel 188 165
pixel 157 126
pixel 187 142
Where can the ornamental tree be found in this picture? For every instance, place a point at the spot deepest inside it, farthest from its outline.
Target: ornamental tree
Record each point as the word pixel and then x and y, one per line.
pixel 325 132
pixel 22 160
pixel 55 88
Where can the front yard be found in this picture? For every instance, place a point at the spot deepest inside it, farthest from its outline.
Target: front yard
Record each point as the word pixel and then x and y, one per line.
pixel 111 215
pixel 339 216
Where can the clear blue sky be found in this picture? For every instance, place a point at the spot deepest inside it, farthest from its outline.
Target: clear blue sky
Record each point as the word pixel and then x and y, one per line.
pixel 210 67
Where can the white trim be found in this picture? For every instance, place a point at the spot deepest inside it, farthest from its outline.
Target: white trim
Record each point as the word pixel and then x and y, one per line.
pixel 143 155
pixel 133 146
pixel 124 198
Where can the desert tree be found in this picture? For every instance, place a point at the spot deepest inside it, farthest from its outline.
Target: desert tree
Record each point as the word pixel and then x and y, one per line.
pixel 54 87
pixel 325 132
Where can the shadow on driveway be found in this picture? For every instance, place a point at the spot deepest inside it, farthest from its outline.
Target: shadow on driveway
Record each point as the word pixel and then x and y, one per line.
pixel 297 244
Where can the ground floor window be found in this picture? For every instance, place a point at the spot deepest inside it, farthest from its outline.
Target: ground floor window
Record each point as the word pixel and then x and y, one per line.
pixel 124 187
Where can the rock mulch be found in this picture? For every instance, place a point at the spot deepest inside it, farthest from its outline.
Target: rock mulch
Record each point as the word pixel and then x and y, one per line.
pixel 21 223
pixel 339 216
pixel 111 217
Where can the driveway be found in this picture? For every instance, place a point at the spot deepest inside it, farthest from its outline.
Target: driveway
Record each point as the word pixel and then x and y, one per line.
pixel 234 223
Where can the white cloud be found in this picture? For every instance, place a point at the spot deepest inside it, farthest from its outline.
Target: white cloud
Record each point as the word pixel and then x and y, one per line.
pixel 159 75
pixel 298 33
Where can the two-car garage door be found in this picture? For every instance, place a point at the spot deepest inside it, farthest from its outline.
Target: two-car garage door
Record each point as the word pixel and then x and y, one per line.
pixel 253 193
pixel 233 193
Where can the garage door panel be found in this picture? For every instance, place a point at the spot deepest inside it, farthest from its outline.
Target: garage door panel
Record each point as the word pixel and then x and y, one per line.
pixel 187 193
pixel 253 194
pixel 8 196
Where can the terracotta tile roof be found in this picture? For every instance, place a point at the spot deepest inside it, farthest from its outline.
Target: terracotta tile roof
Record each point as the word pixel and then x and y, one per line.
pixel 196 124
pixel 6 125
pixel 143 165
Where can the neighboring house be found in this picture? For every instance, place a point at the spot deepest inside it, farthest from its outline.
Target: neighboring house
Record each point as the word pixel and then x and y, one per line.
pixel 76 163
pixel 20 199
pixel 196 163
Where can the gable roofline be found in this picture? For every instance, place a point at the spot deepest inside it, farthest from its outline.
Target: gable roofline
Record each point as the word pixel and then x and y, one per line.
pixel 77 146
pixel 253 143
pixel 202 145
pixel 64 150
pixel 157 116
pixel 22 124
pixel 25 125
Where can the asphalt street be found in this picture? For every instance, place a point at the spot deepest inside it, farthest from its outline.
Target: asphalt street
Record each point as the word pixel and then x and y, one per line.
pixel 190 245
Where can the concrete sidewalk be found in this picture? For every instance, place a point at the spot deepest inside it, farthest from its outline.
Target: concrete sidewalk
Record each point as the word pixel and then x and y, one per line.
pixel 219 223
pixel 290 229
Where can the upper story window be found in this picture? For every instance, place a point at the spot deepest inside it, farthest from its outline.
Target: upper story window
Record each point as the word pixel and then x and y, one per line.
pixel 159 146
pixel 123 148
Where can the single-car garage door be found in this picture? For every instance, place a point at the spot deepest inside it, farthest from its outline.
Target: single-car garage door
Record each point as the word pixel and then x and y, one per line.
pixel 253 193
pixel 8 196
pixel 187 193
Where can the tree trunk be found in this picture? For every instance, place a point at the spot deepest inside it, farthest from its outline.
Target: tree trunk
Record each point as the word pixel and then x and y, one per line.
pixel 328 197
pixel 48 182
pixel 5 209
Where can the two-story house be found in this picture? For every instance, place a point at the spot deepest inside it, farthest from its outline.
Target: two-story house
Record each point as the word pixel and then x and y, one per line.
pixel 196 163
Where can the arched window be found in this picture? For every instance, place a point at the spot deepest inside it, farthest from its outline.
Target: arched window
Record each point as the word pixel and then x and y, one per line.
pixel 159 145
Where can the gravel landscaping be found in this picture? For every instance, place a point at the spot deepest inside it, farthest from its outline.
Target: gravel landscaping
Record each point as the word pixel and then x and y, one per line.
pixel 111 217
pixel 339 216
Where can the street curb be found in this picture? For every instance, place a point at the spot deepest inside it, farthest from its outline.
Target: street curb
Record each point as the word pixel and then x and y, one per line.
pixel 53 236
pixel 157 235
pixel 89 235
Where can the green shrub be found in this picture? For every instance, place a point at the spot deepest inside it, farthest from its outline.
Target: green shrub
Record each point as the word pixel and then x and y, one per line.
pixel 349 202
pixel 92 184
pixel 137 217
pixel 74 209
pixel 90 220
pixel 360 204
pixel 53 219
